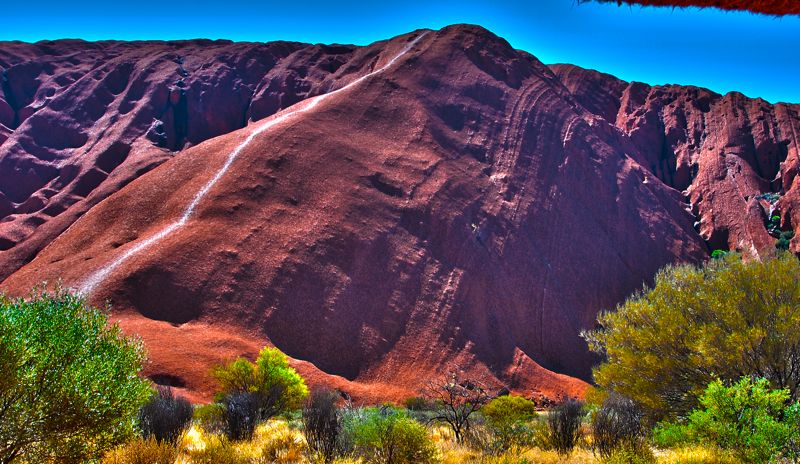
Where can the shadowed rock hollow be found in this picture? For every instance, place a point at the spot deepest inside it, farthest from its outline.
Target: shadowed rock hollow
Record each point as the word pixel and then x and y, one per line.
pixel 466 206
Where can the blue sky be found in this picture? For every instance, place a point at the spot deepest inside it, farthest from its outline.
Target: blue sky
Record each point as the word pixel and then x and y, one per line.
pixel 756 55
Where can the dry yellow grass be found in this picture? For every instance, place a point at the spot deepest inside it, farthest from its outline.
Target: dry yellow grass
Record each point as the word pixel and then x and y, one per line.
pixel 276 442
pixel 695 455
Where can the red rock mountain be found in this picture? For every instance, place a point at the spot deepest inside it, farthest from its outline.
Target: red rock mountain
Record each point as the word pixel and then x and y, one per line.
pixel 381 213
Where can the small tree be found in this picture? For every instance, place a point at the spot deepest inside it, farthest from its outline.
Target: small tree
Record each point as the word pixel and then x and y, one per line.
pixel 274 384
pixel 165 417
pixel 458 400
pixel 728 319
pixel 69 384
pixel 509 417
pixel 564 423
pixel 322 423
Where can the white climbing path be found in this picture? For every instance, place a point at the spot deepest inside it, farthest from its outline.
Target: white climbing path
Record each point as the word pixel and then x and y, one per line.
pixel 93 280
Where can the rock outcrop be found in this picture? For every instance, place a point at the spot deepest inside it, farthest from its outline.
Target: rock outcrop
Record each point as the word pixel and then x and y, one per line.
pixel 467 206
pixel 770 7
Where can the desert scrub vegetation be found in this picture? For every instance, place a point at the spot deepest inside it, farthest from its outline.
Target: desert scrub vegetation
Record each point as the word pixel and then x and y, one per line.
pixel 254 392
pixel 69 383
pixel 703 368
pixel 747 418
pixel 725 320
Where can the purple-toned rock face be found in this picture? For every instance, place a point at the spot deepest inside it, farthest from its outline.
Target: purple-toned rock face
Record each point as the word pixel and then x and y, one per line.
pixel 733 158
pixel 463 204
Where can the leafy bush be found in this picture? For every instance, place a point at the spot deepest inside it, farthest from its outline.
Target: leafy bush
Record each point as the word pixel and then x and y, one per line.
pixel 564 423
pixel 510 409
pixel 211 417
pixel 508 417
pixel 617 424
pixel 717 254
pixel 276 386
pixel 747 418
pixel 322 424
pixel 663 346
pixel 143 451
pixel 672 435
pixel 784 240
pixel 165 417
pixel 388 436
pixel 69 384
pixel 241 415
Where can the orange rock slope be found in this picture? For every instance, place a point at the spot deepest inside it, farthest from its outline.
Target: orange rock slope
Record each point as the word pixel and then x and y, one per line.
pixel 437 200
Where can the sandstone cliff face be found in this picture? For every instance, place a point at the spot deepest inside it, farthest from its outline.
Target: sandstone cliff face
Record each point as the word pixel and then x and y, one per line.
pixel 80 120
pixel 735 159
pixel 465 206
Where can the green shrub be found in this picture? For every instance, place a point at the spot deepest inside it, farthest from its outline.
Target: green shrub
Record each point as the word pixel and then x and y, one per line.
pixel 672 435
pixel 664 345
pixel 388 436
pixel 276 385
pixel 509 419
pixel 784 240
pixel 747 418
pixel 210 417
pixel 69 384
pixel 143 451
pixel 510 409
pixel 717 254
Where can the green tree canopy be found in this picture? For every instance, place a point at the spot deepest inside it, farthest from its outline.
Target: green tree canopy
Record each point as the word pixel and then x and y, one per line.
pixel 729 319
pixel 278 386
pixel 69 384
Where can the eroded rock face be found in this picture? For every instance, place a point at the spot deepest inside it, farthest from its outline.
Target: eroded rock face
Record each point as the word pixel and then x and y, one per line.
pixel 771 7
pixel 80 120
pixel 735 159
pixel 467 206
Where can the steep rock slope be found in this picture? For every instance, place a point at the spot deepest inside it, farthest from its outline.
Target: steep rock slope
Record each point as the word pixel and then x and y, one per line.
pixel 735 159
pixel 461 207
pixel 79 120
